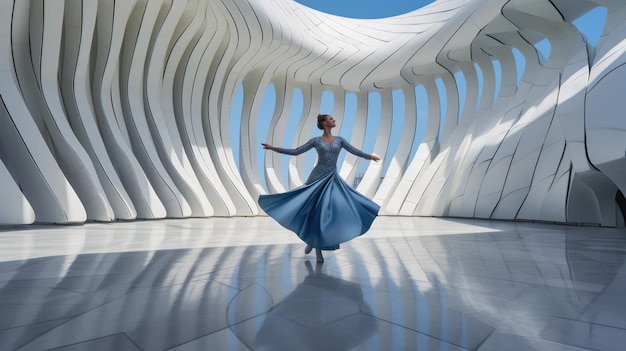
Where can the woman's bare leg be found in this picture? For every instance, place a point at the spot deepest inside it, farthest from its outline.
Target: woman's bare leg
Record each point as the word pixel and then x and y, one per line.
pixel 320 258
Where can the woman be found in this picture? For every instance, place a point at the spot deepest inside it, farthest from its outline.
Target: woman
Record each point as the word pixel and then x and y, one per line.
pixel 325 211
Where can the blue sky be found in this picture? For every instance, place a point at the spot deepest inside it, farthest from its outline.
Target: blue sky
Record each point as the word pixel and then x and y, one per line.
pixel 365 8
pixel 590 25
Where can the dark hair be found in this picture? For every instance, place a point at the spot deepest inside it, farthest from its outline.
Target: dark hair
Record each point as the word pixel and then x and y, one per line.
pixel 321 118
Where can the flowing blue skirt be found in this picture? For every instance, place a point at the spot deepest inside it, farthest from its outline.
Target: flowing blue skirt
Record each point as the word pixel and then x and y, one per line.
pixel 324 213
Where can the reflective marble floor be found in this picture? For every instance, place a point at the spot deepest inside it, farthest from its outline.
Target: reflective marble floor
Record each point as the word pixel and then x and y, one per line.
pixel 246 284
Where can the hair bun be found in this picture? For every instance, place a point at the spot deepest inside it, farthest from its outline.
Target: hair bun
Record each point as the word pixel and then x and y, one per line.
pixel 320 119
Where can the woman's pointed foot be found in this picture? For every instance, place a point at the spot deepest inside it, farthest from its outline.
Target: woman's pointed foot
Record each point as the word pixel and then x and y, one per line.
pixel 320 258
pixel 308 249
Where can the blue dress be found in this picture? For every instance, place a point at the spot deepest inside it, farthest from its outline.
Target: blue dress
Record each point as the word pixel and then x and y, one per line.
pixel 325 211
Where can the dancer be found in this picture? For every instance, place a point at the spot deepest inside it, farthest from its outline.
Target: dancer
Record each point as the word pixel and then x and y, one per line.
pixel 325 211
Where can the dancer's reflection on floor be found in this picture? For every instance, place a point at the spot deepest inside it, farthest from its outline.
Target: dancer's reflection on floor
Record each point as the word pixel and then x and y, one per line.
pixel 322 313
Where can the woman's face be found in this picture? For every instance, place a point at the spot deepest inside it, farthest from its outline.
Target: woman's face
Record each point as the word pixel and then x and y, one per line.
pixel 329 121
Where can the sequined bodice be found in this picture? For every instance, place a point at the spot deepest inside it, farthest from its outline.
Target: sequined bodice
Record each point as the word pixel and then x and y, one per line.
pixel 327 155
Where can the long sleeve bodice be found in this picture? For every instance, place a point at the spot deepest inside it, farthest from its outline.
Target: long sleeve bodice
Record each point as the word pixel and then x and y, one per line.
pixel 327 155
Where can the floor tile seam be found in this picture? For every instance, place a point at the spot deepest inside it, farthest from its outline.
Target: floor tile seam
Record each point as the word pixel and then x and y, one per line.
pixel 543 286
pixel 36 323
pixel 129 289
pixel 472 312
pixel 98 338
pixel 217 270
pixel 598 295
pixel 336 320
pixel 481 276
pixel 490 277
pixel 406 242
pixel 17 269
pixel 65 276
pixel 480 344
pixel 228 327
pixel 420 332
pixel 484 276
pixel 42 260
pixel 519 293
pixel 561 342
pixel 252 282
pixel 151 287
pixel 67 316
pixel 507 261
pixel 224 284
pixel 587 322
pixel 483 293
pixel 237 336
pixel 40 304
pixel 475 291
pixel 569 344
pixel 272 305
pixel 69 319
pixel 68 290
pixel 539 337
pixel 132 341
pixel 42 333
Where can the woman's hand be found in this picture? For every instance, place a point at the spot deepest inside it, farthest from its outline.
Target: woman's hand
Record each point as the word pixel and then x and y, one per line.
pixel 374 158
pixel 268 147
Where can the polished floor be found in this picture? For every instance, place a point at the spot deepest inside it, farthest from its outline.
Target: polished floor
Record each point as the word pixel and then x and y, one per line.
pixel 246 284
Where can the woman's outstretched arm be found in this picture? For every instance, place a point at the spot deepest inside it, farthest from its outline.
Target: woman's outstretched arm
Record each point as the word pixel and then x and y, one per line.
pixel 351 149
pixel 297 151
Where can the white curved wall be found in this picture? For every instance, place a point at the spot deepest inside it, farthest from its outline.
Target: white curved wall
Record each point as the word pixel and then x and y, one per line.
pixel 121 109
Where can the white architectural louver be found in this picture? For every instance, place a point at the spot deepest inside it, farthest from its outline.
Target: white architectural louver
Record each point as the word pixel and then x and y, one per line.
pixel 120 109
